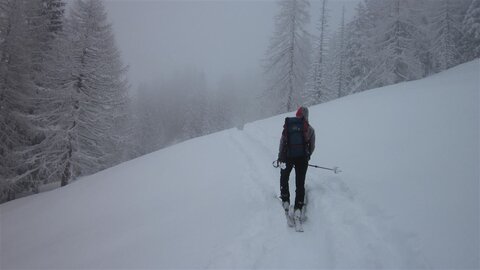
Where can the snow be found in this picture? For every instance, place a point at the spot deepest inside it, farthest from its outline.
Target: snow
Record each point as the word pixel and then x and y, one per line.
pixel 408 196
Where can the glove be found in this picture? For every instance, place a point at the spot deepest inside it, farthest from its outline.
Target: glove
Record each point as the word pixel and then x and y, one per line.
pixel 279 164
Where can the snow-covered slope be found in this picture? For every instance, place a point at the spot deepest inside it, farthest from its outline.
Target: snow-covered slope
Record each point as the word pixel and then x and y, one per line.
pixel 408 196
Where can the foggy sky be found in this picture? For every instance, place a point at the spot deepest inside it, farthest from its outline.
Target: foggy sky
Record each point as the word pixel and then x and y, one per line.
pixel 221 38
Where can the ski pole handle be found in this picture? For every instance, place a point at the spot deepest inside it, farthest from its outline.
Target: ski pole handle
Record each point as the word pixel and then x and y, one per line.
pixel 275 164
pixel 278 164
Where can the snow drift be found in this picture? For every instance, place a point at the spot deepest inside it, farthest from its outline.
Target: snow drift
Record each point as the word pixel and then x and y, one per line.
pixel 408 196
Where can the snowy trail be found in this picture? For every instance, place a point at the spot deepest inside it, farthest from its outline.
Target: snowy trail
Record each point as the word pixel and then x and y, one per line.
pixel 339 232
pixel 266 240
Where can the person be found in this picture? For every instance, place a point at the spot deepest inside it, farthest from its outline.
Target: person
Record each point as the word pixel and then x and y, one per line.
pixel 297 144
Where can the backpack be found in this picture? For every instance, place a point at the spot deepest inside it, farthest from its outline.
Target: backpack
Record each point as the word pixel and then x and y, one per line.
pixel 296 142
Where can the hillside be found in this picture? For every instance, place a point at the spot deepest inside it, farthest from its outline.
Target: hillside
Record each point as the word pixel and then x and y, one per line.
pixel 408 196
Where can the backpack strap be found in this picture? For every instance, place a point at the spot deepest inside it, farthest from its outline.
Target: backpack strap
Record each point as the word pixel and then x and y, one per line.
pixel 282 155
pixel 306 126
pixel 305 131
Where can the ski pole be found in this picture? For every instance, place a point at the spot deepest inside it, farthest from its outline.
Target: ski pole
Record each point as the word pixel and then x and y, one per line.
pixel 334 169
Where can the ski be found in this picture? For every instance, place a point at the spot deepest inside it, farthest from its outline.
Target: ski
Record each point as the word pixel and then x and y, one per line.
pixel 298 226
pixel 298 221
pixel 294 220
pixel 288 215
pixel 290 221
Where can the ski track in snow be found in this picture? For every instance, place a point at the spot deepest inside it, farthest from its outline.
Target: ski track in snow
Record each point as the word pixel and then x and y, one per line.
pixel 249 244
pixel 337 222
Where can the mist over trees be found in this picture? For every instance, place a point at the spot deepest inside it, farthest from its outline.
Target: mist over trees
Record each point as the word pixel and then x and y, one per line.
pixel 386 42
pixel 185 106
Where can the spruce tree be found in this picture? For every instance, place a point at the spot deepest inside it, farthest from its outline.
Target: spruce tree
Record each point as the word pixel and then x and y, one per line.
pixel 396 51
pixel 288 56
pixel 45 23
pixel 15 98
pixel 471 29
pixel 447 32
pixel 358 46
pixel 340 53
pixel 317 88
pixel 96 92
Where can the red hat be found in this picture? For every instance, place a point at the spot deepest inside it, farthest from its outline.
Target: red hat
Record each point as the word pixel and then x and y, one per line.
pixel 299 112
pixel 302 112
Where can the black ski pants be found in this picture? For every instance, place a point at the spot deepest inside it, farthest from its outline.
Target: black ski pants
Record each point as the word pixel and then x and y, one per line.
pixel 301 166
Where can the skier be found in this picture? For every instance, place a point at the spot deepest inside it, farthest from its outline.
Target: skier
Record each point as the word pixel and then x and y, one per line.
pixel 296 146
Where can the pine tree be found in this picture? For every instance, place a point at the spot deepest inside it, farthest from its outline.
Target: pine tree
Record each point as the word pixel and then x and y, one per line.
pixel 471 29
pixel 29 36
pixel 340 79
pixel 398 57
pixel 55 12
pixel 45 23
pixel 447 32
pixel 96 93
pixel 317 89
pixel 63 94
pixel 288 55
pixel 15 97
pixel 358 46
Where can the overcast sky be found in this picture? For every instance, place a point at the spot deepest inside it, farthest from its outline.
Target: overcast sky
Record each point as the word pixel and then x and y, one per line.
pixel 221 37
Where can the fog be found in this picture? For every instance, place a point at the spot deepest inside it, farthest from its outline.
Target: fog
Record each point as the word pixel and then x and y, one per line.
pixel 220 38
pixel 196 67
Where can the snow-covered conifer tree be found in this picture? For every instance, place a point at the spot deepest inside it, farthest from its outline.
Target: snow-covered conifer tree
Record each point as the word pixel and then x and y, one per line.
pixel 29 29
pixel 45 23
pixel 340 53
pixel 471 29
pixel 288 56
pixel 63 93
pixel 15 96
pixel 358 46
pixel 397 57
pixel 317 87
pixel 447 32
pixel 96 93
